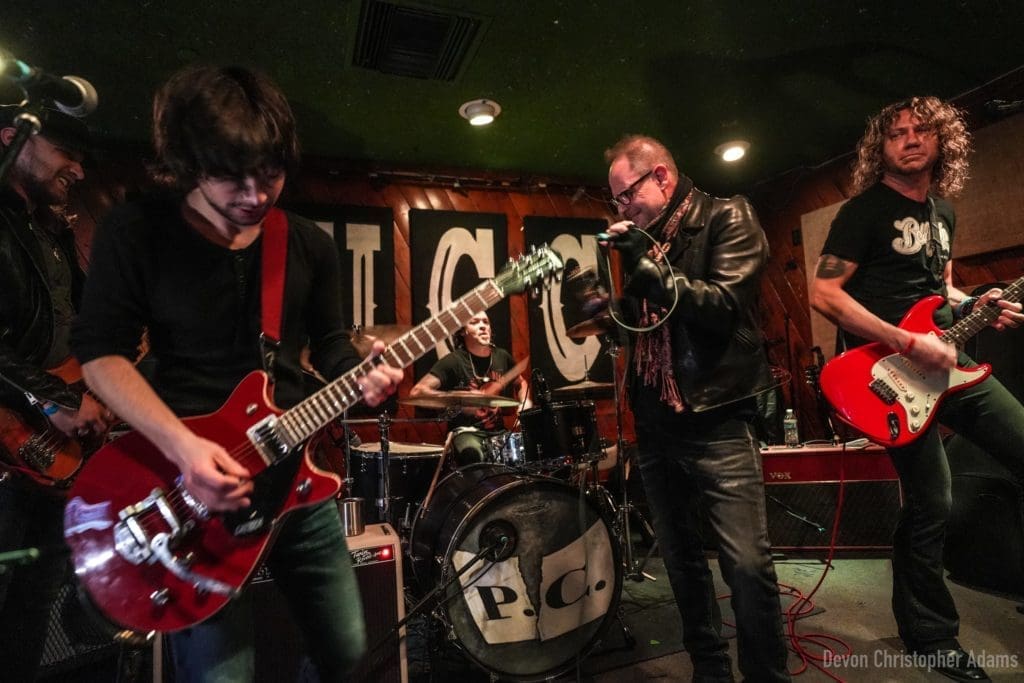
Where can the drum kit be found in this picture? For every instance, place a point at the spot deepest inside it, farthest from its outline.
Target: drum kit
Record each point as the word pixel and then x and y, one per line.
pixel 518 559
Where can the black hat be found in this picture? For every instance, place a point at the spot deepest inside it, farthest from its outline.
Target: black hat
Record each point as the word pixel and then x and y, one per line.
pixel 57 126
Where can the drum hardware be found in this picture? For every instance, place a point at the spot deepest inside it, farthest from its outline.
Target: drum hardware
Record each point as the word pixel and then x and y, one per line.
pixel 586 389
pixel 460 399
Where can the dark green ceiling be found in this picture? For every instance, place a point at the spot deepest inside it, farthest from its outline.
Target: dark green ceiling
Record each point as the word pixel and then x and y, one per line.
pixel 797 79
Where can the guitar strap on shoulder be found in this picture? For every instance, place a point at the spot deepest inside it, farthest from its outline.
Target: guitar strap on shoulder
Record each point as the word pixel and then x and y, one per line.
pixel 272 276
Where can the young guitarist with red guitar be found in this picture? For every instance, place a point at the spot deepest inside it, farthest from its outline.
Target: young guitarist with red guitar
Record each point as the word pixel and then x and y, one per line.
pixel 194 268
pixel 889 248
pixel 40 286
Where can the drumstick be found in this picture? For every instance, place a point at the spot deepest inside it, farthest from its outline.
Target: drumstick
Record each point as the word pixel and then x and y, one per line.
pixel 498 385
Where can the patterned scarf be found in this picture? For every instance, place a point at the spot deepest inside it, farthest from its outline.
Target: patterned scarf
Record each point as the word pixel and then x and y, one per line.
pixel 652 357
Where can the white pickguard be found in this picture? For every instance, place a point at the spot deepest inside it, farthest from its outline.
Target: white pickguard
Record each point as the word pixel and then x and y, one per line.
pixel 916 390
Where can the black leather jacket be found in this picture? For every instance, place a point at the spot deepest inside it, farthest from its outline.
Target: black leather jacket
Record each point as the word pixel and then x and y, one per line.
pixel 26 313
pixel 718 255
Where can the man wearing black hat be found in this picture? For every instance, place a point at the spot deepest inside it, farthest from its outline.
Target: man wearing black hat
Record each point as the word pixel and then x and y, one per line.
pixel 41 281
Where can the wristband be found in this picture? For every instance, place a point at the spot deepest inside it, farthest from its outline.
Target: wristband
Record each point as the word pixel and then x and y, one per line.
pixel 965 307
pixel 50 409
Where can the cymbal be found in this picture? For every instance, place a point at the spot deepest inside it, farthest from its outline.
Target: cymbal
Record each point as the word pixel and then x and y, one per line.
pixel 590 328
pixel 460 399
pixel 363 338
pixel 583 389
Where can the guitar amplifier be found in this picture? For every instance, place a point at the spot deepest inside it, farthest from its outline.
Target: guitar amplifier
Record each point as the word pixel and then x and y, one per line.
pixel 802 488
pixel 280 650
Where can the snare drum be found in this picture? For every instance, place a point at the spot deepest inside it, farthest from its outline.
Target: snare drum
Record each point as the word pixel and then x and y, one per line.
pixel 548 589
pixel 410 471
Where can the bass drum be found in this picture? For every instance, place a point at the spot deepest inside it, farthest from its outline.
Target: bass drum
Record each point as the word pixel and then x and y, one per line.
pixel 545 594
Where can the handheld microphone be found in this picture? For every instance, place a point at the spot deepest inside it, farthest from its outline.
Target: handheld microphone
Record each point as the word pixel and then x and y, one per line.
pixel 72 95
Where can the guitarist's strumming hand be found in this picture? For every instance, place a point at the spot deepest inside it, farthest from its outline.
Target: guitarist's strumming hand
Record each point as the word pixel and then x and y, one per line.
pixel 212 476
pixel 90 417
pixel 929 352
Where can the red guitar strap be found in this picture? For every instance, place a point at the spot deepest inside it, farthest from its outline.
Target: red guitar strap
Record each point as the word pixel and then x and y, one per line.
pixel 272 268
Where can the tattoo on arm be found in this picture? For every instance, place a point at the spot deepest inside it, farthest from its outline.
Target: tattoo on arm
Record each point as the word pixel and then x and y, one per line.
pixel 830 267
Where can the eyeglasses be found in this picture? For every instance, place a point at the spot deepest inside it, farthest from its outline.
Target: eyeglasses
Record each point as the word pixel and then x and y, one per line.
pixel 625 198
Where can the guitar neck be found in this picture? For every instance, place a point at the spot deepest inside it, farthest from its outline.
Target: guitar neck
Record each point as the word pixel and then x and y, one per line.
pixel 982 317
pixel 316 412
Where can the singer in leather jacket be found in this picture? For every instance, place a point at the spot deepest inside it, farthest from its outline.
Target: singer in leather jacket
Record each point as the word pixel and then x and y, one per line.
pixel 696 366
pixel 26 311
pixel 716 259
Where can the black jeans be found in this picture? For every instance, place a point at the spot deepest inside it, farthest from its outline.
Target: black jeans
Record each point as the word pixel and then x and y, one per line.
pixel 312 567
pixel 713 461
pixel 989 416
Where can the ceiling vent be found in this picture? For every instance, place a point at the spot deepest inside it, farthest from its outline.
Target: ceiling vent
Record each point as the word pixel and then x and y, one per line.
pixel 417 42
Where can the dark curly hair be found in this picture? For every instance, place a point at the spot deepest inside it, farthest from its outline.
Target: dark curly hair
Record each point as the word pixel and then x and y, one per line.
pixel 950 170
pixel 221 122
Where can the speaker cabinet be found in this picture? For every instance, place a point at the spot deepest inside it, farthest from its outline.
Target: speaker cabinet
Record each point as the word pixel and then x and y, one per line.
pixel 280 648
pixel 801 516
pixel 985 535
pixel 73 638
pixel 802 488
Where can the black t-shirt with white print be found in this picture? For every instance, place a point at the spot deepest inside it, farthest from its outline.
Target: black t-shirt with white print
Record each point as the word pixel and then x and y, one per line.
pixel 899 252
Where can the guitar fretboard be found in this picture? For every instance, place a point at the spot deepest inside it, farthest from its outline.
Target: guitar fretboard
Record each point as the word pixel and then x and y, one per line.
pixel 317 411
pixel 981 317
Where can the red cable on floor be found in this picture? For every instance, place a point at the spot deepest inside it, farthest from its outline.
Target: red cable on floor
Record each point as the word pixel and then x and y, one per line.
pixel 803 605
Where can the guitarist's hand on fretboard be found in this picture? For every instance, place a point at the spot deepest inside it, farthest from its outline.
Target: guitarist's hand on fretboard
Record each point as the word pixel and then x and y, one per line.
pixel 382 381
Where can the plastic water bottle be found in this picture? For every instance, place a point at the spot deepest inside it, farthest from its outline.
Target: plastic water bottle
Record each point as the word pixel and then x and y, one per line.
pixel 789 429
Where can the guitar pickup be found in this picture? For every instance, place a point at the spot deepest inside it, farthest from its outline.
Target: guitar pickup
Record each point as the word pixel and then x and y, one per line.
pixel 883 391
pixel 267 441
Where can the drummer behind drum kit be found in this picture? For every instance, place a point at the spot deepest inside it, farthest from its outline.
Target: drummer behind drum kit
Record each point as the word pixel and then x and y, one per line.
pixel 520 558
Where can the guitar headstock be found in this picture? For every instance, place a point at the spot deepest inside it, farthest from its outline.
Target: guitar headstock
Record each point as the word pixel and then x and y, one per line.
pixel 531 270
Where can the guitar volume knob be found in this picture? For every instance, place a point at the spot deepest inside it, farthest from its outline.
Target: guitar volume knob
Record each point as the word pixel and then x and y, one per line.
pixel 304 487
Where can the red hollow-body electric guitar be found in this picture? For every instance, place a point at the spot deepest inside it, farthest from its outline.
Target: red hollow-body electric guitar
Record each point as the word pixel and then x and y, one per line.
pixel 885 396
pixel 152 558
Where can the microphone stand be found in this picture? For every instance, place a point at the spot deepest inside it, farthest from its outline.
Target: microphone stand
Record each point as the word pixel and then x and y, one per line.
pixel 27 125
pixel 633 569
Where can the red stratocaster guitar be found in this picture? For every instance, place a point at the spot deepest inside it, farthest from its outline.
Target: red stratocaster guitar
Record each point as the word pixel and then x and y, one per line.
pixel 31 445
pixel 891 401
pixel 153 559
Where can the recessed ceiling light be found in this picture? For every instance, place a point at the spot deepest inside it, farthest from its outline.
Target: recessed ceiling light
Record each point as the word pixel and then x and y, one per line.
pixel 480 112
pixel 734 150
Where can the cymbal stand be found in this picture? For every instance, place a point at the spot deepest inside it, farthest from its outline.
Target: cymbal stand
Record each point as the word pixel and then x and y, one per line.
pixel 384 474
pixel 634 569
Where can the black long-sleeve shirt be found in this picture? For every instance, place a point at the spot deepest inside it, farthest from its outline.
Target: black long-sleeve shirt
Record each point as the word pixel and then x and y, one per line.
pixel 201 304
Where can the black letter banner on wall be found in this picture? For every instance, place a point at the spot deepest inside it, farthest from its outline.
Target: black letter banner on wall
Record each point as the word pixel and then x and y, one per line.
pixel 366 250
pixel 563 360
pixel 451 253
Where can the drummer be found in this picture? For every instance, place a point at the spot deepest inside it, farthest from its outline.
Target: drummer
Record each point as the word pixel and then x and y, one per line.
pixel 475 365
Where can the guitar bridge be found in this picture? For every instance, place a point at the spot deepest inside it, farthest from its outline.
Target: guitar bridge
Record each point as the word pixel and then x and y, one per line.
pixel 136 543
